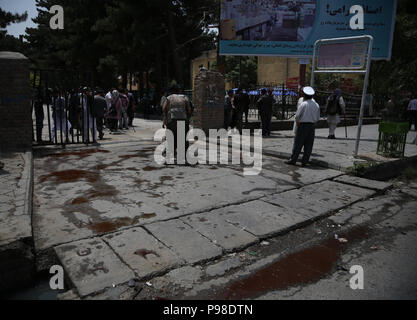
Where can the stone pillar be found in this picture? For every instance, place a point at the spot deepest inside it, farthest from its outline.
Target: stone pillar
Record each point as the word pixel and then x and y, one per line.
pixel 208 99
pixel 15 105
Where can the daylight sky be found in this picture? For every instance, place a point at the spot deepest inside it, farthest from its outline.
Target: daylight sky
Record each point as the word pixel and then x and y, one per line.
pixel 20 6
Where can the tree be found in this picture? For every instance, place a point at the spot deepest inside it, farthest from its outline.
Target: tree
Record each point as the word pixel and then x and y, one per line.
pixel 241 71
pixel 7 18
pixel 113 38
pixel 8 42
pixel 397 77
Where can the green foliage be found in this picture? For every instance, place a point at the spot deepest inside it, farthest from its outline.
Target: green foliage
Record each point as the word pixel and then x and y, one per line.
pixel 8 42
pixel 397 77
pixel 359 169
pixel 241 70
pixel 7 18
pixel 111 37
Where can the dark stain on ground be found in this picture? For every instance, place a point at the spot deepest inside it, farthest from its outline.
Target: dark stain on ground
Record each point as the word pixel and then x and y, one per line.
pixel 112 225
pixel 165 178
pixel 81 154
pixel 306 266
pixel 79 200
pixel 92 194
pixel 102 193
pixel 71 176
pixel 100 167
pixel 150 168
pixel 136 155
pixel 143 253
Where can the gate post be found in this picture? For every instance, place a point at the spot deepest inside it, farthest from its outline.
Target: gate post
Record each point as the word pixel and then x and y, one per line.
pixel 208 99
pixel 15 95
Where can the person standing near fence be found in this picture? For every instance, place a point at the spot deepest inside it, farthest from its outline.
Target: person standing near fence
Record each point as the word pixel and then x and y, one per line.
pixel 99 109
pixel 238 103
pixel 245 104
pixel 228 109
pixel 123 122
pixel 114 112
pixel 308 114
pixel 89 121
pixel 131 107
pixel 59 116
pixel 335 107
pixel 265 104
pixel 39 113
pixel 412 112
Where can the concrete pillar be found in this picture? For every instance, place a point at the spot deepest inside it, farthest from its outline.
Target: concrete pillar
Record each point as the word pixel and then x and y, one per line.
pixel 15 105
pixel 208 99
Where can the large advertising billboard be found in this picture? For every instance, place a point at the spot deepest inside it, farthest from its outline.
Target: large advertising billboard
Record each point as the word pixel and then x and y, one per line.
pixel 291 27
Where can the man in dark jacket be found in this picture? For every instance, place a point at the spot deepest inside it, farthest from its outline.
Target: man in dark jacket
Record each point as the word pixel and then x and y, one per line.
pixel 98 111
pixel 265 104
pixel 39 113
pixel 245 104
pixel 228 109
pixel 238 105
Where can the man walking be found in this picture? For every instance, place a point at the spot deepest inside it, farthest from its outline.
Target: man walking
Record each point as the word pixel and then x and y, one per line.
pixel 334 108
pixel 308 114
pixel 177 111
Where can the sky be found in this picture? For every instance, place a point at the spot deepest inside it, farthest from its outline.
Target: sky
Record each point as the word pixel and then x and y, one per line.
pixel 20 6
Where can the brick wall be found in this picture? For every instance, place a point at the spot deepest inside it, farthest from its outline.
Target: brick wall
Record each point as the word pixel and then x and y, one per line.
pixel 15 105
pixel 208 99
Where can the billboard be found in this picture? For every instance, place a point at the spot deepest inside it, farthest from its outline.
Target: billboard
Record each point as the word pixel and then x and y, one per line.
pixel 291 27
pixel 343 55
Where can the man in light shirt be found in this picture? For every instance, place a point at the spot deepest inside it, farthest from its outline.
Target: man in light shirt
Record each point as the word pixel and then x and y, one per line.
pixel 308 114
pixel 412 112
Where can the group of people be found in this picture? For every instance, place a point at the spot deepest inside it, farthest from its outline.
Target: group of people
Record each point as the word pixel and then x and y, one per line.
pixel 84 111
pixel 235 107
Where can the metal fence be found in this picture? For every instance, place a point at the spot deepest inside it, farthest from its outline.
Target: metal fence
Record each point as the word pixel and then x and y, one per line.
pixel 61 109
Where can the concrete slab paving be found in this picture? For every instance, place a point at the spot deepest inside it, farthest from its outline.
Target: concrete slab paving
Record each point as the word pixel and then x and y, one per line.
pixel 223 266
pixel 218 230
pixel 296 174
pixel 260 218
pixel 364 183
pixel 186 242
pixel 185 277
pixel 143 253
pixel 319 199
pixel 92 266
pixel 118 188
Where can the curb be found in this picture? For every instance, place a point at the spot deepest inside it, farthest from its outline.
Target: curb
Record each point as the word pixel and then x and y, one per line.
pixel 17 259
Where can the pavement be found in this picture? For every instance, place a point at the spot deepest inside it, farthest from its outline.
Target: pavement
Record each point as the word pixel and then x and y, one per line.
pixel 15 197
pixel 116 221
pixel 16 184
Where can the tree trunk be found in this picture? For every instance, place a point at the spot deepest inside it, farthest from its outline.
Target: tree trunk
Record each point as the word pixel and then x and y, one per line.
pixel 173 41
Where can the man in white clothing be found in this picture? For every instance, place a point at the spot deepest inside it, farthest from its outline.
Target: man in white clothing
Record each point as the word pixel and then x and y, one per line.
pixel 308 114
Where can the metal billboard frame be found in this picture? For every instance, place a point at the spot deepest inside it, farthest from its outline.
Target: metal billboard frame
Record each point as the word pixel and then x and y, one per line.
pixel 366 71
